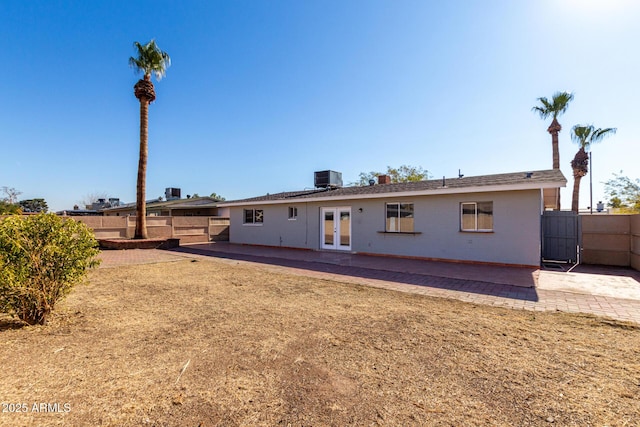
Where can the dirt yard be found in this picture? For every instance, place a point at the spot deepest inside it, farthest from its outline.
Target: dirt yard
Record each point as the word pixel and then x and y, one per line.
pixel 226 343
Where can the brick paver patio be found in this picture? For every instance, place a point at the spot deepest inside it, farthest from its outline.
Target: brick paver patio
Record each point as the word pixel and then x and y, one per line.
pixel 594 291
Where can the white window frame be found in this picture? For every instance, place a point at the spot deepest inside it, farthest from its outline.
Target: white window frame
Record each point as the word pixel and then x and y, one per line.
pixel 475 208
pixel 254 217
pixel 386 217
pixel 292 213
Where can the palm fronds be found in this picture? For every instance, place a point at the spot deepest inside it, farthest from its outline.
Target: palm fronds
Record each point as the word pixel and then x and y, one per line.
pixel 585 135
pixel 150 60
pixel 554 108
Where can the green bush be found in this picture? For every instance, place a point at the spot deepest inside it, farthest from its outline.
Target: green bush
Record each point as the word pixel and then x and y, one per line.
pixel 7 208
pixel 41 258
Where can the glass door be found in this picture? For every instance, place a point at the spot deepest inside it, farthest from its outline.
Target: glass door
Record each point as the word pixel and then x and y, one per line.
pixel 335 228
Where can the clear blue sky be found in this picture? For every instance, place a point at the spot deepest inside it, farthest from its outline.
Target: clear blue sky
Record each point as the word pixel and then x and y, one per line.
pixel 261 94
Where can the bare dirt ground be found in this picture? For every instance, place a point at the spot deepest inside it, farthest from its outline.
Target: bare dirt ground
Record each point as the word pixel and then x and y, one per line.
pixel 224 343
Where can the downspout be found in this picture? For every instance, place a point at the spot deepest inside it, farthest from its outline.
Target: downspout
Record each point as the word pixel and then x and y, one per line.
pixel 306 224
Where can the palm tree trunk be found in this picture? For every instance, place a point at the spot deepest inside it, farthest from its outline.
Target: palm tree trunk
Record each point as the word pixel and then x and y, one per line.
pixel 556 162
pixel 141 205
pixel 576 191
pixel 555 148
pixel 553 129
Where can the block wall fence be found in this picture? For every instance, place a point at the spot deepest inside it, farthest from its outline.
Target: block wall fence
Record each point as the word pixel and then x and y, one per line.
pixel 189 229
pixel 611 240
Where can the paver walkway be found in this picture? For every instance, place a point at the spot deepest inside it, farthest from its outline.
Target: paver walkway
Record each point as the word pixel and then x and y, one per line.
pixel 609 292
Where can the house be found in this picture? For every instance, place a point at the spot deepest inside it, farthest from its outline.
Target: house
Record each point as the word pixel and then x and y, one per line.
pixel 192 206
pixel 485 219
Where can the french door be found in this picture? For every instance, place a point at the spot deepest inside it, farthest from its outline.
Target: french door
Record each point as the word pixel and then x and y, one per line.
pixel 335 228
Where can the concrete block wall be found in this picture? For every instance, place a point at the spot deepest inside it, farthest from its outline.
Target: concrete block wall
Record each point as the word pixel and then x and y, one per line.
pixel 634 223
pixel 611 240
pixel 189 229
pixel 605 239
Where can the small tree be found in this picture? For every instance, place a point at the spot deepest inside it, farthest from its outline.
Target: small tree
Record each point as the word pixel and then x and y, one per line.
pixel 10 194
pixel 41 258
pixel 404 173
pixel 34 205
pixel 7 208
pixel 90 198
pixel 623 192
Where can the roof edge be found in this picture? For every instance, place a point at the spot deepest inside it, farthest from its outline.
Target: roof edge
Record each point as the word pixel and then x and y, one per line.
pixel 432 192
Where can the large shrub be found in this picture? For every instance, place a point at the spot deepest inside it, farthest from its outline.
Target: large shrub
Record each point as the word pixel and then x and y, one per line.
pixel 41 258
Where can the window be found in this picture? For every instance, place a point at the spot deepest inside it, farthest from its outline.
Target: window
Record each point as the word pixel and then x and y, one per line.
pixel 293 213
pixel 399 218
pixel 476 216
pixel 253 216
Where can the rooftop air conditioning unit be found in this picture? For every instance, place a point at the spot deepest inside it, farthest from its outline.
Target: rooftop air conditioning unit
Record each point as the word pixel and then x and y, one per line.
pixel 327 179
pixel 172 193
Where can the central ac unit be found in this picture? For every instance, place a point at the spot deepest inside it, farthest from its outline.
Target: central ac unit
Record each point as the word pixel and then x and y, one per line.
pixel 327 179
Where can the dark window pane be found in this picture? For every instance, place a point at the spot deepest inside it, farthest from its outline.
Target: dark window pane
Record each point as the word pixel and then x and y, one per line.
pixel 248 216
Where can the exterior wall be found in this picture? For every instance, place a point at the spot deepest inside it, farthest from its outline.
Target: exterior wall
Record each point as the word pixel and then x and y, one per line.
pixel 224 212
pixel 130 212
pixel 515 239
pixel 194 212
pixel 277 229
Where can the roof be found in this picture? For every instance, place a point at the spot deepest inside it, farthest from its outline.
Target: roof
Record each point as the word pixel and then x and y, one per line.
pixel 552 178
pixel 193 202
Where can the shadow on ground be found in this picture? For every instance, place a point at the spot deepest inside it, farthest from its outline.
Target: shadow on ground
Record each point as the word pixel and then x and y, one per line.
pixel 8 324
pixel 417 279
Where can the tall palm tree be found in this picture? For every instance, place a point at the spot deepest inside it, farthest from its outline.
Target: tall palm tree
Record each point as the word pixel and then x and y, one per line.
pixel 554 108
pixel 584 136
pixel 150 60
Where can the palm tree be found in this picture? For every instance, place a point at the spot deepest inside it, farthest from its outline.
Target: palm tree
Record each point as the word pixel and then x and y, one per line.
pixel 584 136
pixel 150 60
pixel 554 108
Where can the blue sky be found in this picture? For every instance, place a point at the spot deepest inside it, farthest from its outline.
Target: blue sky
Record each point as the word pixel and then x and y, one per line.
pixel 261 94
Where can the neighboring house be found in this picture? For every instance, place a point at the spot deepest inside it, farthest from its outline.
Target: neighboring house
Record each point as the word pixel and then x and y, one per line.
pixel 486 219
pixel 193 206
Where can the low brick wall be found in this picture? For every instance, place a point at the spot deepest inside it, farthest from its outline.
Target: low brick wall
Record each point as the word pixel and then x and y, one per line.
pixel 189 229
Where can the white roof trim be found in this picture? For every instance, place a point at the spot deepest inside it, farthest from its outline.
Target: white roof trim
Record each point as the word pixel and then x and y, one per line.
pixel 431 192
